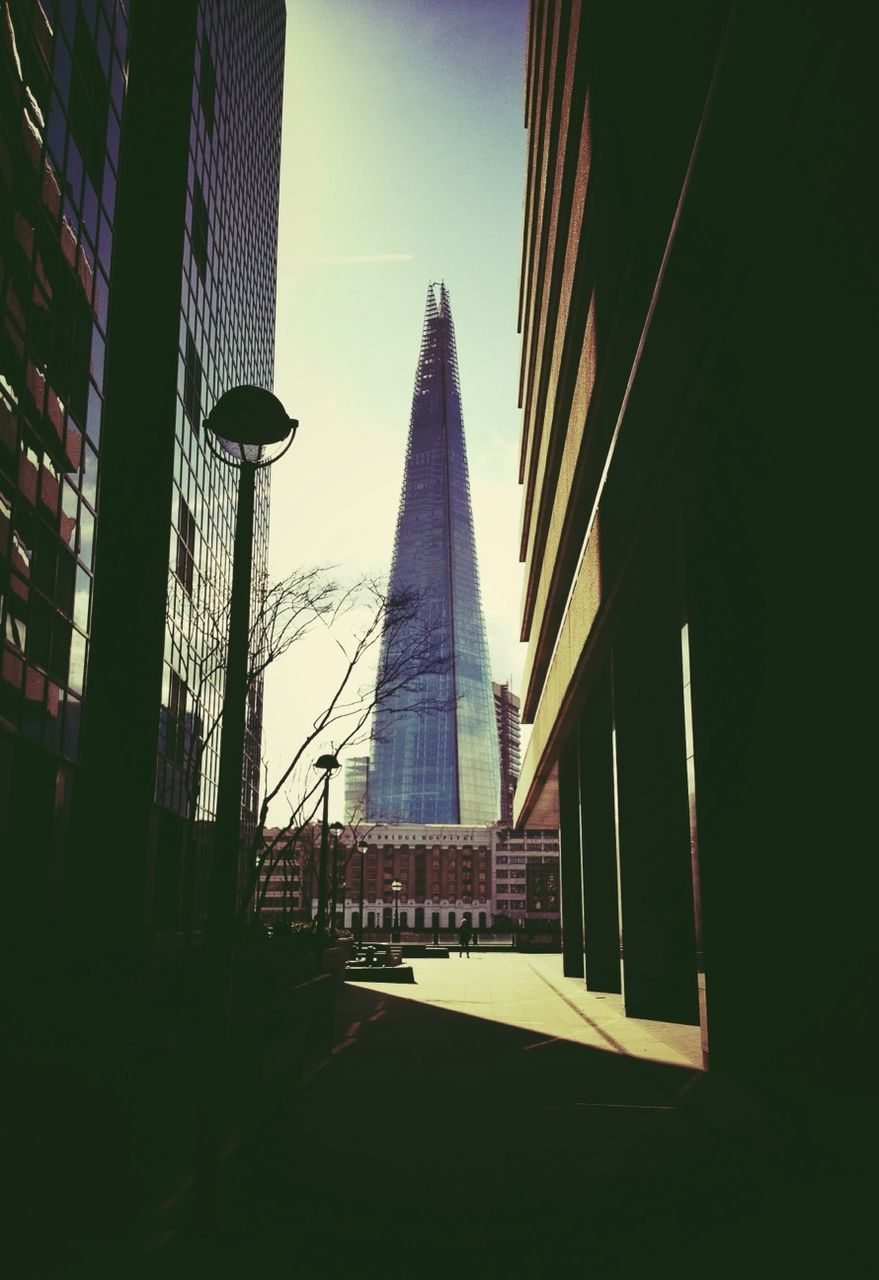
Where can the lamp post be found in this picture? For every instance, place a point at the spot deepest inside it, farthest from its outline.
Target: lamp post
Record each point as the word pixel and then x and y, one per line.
pixel 240 429
pixel 328 765
pixel 395 931
pixel 247 429
pixel 337 828
pixel 362 847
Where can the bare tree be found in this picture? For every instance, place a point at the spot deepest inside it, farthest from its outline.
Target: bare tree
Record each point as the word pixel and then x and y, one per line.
pixel 413 648
pixel 283 614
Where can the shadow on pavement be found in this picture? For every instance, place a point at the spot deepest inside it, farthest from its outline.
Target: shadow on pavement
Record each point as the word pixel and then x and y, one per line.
pixel 431 1141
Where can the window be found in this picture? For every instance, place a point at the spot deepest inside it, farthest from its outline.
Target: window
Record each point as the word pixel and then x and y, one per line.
pixel 175 746
pixel 185 567
pixel 207 86
pixel 89 103
pixel 192 382
pixel 199 235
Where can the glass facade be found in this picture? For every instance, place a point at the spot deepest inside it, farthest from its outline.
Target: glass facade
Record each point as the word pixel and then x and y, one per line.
pixel 438 765
pixel 226 339
pixel 64 76
pixel 139 173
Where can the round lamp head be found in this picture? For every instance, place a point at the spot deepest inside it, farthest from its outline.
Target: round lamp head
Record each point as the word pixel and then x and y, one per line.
pixel 396 886
pixel 248 422
pixel 327 763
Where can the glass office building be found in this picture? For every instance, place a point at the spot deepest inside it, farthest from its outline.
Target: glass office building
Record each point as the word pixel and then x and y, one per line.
pixel 63 78
pixel 140 149
pixel 441 764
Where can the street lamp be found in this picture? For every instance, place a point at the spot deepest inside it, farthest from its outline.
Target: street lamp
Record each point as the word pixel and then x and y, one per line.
pixel 337 828
pixel 395 931
pixel 247 429
pixel 328 765
pixel 362 847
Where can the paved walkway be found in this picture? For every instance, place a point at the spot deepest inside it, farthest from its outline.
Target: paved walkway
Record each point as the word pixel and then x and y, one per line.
pixel 495 1118
pixel 530 992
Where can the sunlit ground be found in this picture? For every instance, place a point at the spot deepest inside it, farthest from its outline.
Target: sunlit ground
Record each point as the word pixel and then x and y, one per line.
pixel 530 992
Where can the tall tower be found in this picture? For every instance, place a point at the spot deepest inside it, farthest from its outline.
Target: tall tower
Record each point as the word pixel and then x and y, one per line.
pixel 439 765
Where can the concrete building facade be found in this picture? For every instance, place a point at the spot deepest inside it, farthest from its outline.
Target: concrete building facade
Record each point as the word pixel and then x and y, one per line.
pixel 685 520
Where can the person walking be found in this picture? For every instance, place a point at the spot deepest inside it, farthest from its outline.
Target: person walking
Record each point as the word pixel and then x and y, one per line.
pixel 464 939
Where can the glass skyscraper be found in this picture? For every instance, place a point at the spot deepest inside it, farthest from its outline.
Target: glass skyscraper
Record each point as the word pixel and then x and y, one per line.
pixel 138 236
pixel 441 764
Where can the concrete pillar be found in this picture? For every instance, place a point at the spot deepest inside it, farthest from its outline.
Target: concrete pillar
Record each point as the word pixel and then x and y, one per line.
pixel 601 933
pixel 569 861
pixel 656 890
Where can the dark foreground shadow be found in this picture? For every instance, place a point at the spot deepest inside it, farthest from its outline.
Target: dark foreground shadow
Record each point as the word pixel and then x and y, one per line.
pixel 431 1142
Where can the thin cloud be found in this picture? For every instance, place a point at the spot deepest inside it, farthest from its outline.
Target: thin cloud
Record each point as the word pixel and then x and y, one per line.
pixel 365 257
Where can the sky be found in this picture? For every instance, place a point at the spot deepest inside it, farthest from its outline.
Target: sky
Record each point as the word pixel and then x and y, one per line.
pixel 402 162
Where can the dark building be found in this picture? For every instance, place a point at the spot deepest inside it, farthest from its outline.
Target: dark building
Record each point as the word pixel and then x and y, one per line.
pixel 506 712
pixel 697 264
pixel 139 166
pixel 139 226
pixel 64 73
pixel 438 766
pixel 195 270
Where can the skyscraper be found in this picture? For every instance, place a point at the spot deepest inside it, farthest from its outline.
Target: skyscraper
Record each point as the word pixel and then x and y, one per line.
pixel 506 710
pixel 439 765
pixel 137 262
pixel 63 83
pixel 194 268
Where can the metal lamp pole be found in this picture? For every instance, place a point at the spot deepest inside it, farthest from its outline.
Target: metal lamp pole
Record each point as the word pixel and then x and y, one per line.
pixel 328 765
pixel 337 828
pixel 361 849
pixel 240 430
pixel 395 931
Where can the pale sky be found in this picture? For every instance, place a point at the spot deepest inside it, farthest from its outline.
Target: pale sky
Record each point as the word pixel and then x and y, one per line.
pixel 403 160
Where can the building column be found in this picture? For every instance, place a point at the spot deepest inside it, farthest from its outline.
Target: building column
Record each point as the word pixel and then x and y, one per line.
pixel 570 874
pixel 601 930
pixel 653 837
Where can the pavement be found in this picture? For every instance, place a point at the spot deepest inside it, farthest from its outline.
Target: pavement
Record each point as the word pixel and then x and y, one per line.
pixel 495 1117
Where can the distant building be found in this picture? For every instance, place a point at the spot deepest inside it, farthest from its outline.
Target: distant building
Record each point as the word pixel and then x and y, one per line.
pixel 287 877
pixel 506 711
pixel 356 787
pixel 438 765
pixel 526 875
pixel 444 870
pixel 449 872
